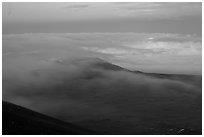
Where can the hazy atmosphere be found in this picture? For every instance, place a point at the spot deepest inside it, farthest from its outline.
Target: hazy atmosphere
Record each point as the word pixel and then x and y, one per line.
pixel 165 36
pixel 113 68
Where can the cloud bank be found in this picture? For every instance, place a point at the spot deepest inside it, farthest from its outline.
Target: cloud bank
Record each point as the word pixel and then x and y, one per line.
pixel 165 53
pixel 80 91
pixel 59 75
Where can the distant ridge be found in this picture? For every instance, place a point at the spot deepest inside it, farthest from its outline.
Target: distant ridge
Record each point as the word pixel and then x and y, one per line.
pixel 98 63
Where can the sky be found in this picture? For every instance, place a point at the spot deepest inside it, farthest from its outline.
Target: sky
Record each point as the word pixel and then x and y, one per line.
pixel 113 17
pixel 145 36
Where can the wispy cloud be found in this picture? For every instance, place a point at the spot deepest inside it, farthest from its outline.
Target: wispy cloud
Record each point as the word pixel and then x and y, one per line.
pixel 160 10
pixel 56 11
pixel 79 6
pixel 123 3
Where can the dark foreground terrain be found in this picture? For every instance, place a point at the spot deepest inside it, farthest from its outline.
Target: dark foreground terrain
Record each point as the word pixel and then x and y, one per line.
pixel 18 120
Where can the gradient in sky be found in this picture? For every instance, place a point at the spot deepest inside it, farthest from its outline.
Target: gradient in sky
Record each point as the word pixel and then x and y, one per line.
pixel 152 37
pixel 147 17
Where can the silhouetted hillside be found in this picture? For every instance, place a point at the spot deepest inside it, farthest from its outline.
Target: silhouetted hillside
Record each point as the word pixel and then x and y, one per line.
pixel 21 121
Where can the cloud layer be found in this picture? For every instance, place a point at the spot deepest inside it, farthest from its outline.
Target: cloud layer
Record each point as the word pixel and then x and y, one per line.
pixel 79 91
pixel 58 75
pixel 156 52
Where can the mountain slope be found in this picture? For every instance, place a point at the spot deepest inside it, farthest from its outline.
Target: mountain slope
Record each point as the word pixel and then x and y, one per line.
pixel 21 121
pixel 17 120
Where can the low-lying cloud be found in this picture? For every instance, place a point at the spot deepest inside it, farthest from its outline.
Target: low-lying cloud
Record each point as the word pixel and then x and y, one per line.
pixel 77 90
pixel 166 53
pixel 69 83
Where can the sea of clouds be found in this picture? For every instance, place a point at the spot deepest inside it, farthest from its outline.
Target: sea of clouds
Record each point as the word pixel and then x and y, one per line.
pixel 57 74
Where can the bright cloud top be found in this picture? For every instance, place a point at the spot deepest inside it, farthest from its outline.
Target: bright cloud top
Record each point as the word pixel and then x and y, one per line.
pixel 157 52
